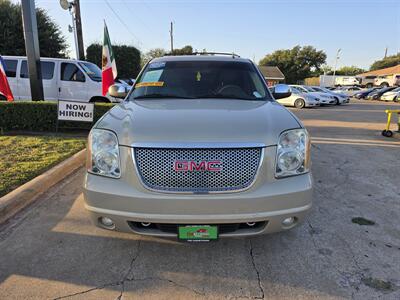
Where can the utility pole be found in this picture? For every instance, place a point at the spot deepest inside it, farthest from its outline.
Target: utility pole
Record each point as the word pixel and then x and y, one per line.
pixel 78 28
pixel 171 33
pixel 386 49
pixel 334 70
pixel 32 48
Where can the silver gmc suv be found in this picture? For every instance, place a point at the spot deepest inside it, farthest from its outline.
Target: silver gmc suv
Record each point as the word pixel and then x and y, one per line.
pixel 199 149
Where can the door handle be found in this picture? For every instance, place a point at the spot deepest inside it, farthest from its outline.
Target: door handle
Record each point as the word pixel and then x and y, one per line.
pixel 59 89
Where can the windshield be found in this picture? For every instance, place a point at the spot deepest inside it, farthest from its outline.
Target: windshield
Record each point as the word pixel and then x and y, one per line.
pixel 91 70
pixel 308 88
pixel 200 79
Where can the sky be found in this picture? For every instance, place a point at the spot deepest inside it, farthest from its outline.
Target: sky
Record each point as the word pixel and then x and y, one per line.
pixel 362 29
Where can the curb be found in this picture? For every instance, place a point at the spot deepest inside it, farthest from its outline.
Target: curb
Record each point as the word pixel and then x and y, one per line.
pixel 19 198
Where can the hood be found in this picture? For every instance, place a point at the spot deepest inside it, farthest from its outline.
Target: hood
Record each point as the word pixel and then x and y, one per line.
pixel 198 121
pixel 319 95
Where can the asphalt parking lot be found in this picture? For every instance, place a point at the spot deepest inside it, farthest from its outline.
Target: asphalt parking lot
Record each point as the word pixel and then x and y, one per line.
pixel 348 248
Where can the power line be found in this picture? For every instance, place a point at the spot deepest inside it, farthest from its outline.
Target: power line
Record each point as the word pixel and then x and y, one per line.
pixel 122 22
pixel 148 28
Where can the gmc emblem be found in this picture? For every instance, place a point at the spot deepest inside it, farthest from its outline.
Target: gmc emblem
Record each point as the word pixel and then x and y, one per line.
pixel 197 166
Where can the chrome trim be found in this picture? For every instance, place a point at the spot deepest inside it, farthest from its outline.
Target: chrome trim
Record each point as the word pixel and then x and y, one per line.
pixel 196 145
pixel 139 176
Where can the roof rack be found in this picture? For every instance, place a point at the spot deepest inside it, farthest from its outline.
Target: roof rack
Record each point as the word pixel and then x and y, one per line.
pixel 234 55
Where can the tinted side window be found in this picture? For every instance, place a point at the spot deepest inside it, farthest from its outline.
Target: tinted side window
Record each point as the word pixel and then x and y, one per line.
pixel 70 72
pixel 46 66
pixel 11 67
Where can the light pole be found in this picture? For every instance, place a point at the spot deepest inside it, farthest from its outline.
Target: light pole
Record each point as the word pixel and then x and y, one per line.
pixel 334 70
pixel 74 10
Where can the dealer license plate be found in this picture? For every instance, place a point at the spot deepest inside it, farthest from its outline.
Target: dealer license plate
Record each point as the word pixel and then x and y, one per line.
pixel 198 232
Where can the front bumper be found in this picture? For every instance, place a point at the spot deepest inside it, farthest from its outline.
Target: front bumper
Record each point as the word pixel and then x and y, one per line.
pixel 268 200
pixel 325 101
pixel 312 103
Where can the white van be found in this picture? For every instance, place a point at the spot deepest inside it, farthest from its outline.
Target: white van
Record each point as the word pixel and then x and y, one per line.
pixel 63 79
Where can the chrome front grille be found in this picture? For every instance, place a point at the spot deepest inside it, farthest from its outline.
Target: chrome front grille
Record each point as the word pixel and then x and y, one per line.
pixel 156 169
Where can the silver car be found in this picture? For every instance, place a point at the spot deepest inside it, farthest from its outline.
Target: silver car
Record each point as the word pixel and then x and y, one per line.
pixel 299 100
pixel 199 149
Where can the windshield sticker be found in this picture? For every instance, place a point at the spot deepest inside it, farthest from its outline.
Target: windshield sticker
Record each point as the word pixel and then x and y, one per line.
pixel 257 94
pixel 156 65
pixel 144 84
pixel 198 76
pixel 152 76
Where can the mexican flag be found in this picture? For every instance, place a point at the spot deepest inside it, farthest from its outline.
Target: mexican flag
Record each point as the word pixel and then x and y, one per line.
pixel 108 66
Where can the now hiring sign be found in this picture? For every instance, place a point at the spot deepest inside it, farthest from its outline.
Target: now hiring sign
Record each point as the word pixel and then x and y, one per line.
pixel 75 111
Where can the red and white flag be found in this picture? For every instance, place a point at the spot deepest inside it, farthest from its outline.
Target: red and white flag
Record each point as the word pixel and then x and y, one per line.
pixel 4 86
pixel 108 66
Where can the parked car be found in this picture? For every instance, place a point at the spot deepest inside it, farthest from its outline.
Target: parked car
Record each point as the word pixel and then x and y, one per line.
pixel 63 79
pixel 367 81
pixel 298 99
pixel 348 90
pixel 364 93
pixel 375 95
pixel 387 80
pixel 340 98
pixel 324 99
pixel 199 141
pixel 392 95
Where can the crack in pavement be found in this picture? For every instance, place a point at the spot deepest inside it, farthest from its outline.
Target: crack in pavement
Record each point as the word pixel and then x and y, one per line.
pixel 126 276
pixel 89 290
pixel 169 281
pixel 113 284
pixel 257 271
pixel 346 276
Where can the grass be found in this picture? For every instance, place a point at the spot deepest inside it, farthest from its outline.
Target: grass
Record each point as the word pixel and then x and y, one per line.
pixel 22 158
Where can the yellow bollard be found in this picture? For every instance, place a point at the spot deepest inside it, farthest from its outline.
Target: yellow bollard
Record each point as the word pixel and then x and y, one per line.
pixel 387 132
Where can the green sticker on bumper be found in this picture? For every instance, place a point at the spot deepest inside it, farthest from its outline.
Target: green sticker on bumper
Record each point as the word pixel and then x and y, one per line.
pixel 198 232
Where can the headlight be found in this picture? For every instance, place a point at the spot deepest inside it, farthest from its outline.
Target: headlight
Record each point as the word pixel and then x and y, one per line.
pixel 293 153
pixel 103 153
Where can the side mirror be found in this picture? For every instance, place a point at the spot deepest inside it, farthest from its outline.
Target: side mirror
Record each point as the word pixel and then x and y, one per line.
pixel 118 91
pixel 281 91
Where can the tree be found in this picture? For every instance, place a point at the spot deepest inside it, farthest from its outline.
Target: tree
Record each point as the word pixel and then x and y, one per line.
pixel 350 71
pixel 386 62
pixel 153 53
pixel 51 41
pixel 296 63
pixel 187 50
pixel 127 59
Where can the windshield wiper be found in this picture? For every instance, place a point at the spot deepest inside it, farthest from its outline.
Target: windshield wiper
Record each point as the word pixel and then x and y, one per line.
pixel 161 96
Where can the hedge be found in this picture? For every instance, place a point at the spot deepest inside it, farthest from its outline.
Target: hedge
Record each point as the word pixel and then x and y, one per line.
pixel 41 116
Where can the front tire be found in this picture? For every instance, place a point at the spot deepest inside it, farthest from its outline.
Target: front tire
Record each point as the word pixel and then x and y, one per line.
pixel 337 102
pixel 384 84
pixel 299 103
pixel 369 85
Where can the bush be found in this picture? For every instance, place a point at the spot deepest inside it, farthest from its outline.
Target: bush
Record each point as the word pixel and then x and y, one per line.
pixel 41 116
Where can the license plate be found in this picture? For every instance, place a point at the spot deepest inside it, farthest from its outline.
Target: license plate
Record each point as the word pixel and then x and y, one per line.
pixel 198 232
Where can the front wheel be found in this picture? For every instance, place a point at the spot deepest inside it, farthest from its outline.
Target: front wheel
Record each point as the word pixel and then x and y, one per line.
pixel 337 102
pixel 384 85
pixel 369 85
pixel 299 103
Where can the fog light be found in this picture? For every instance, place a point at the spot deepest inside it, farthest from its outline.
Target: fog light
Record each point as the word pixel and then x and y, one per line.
pixel 106 222
pixel 288 221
